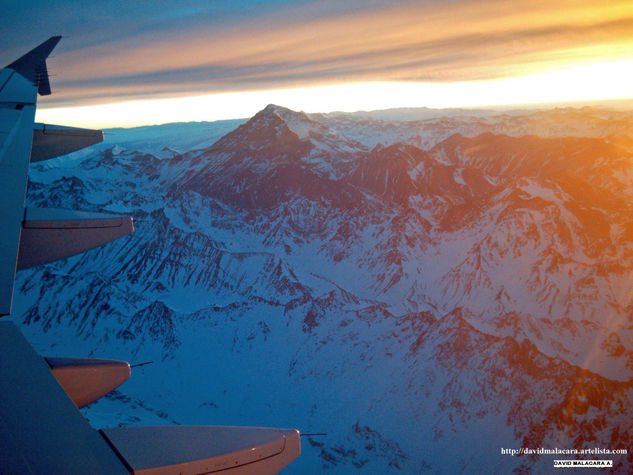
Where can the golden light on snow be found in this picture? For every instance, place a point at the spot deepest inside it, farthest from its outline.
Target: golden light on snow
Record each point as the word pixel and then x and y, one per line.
pixel 588 82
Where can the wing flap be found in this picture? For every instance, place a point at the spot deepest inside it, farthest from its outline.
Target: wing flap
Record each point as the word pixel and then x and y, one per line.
pixel 41 430
pixel 49 234
pixel 87 379
pixel 205 449
pixel 50 141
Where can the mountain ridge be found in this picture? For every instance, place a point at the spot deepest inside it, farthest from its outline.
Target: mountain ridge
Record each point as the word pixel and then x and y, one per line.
pixel 322 282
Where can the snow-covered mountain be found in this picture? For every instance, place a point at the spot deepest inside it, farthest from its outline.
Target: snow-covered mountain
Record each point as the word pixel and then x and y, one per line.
pixel 426 292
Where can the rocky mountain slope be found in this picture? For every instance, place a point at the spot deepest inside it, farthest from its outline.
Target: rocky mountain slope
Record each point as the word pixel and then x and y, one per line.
pixel 427 292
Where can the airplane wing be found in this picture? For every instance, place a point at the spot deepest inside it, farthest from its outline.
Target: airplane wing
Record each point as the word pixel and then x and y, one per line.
pixel 43 432
pixel 35 236
pixel 19 84
pixel 41 429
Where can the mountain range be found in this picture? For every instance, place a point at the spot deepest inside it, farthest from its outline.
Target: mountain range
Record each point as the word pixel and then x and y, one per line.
pixel 428 290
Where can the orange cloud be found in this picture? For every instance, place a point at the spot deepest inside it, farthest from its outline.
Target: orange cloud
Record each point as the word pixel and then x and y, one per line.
pixel 443 41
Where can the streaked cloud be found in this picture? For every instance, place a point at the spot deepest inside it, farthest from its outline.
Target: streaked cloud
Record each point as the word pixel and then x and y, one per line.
pixel 130 50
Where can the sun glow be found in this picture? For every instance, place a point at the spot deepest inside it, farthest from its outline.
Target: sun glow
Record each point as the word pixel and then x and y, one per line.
pixel 583 83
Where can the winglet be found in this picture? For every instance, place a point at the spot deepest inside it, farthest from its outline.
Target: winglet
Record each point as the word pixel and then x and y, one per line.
pixel 33 65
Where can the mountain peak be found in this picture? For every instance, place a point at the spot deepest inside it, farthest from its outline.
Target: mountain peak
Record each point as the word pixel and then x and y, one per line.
pixel 298 122
pixel 275 109
pixel 282 112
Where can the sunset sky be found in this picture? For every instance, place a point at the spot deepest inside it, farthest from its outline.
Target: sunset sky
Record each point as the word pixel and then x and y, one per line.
pixel 131 63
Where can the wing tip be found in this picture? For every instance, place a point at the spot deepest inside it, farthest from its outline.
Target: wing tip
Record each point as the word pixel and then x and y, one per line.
pixel 32 65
